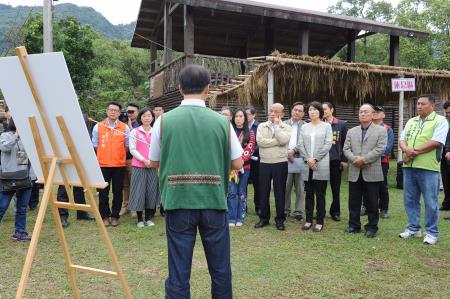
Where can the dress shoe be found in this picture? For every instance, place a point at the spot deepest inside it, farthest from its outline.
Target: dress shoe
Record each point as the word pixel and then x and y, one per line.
pixel 86 216
pixel 261 224
pixel 64 222
pixel 298 216
pixel 106 222
pixel 114 222
pixel 336 217
pixel 370 234
pixel 280 226
pixel 446 218
pixel 352 230
pixel 384 214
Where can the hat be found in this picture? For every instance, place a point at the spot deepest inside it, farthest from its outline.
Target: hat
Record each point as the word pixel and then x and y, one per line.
pixel 379 109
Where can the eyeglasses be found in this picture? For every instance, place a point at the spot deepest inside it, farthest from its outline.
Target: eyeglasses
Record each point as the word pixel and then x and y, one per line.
pixel 130 111
pixel 113 110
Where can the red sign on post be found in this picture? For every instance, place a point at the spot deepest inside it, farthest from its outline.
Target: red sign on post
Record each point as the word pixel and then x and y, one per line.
pixel 403 84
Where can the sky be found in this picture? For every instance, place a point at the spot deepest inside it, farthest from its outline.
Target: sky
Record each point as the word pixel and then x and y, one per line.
pixel 126 11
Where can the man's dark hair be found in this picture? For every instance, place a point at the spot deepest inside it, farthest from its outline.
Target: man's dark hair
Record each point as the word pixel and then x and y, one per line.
pixel 141 112
pixel 329 104
pixel 447 104
pixel 226 108
pixel 317 105
pixel 251 109
pixel 134 105
pixel 194 79
pixel 156 104
pixel 431 97
pixel 115 104
pixel 298 104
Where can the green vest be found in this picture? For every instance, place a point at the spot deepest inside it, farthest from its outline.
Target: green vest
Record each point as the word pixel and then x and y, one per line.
pixel 418 136
pixel 195 159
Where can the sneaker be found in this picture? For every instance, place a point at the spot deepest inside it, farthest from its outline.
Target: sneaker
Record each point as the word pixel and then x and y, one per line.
pixel 231 224
pixel 410 234
pixel 239 223
pixel 149 223
pixel 22 236
pixel 429 240
pixel 140 224
pixel 298 216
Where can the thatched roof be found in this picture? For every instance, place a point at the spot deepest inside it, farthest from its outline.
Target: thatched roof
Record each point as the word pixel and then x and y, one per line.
pixel 316 78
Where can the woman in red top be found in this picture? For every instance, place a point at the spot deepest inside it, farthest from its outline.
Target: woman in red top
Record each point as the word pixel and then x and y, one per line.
pixel 237 189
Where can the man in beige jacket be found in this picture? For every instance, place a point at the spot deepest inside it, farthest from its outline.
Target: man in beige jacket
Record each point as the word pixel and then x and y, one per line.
pixel 273 138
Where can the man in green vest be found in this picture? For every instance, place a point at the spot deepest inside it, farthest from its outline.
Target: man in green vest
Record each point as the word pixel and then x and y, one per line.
pixel 195 147
pixel 421 142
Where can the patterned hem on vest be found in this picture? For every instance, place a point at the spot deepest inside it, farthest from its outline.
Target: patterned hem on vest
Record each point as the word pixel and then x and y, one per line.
pixel 197 179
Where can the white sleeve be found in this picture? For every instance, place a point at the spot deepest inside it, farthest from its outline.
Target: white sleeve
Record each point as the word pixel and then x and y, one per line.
pixel 155 145
pixel 132 144
pixel 403 135
pixel 440 133
pixel 236 148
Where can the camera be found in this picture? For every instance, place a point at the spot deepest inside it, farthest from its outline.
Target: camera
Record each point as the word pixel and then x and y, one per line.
pixel 123 116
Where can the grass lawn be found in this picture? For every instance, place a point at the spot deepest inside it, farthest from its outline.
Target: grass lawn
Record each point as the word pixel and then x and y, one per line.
pixel 266 263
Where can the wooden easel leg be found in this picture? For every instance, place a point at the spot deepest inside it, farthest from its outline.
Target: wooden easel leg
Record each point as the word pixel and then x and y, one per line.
pixel 36 230
pixel 65 248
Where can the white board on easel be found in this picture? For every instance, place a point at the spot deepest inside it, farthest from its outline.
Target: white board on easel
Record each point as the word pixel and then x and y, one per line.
pixel 55 89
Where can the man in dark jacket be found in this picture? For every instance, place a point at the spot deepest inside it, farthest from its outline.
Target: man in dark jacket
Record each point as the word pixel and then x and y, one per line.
pixel 337 159
pixel 445 165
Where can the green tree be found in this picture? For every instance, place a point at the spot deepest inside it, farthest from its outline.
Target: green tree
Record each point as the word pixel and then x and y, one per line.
pixel 74 40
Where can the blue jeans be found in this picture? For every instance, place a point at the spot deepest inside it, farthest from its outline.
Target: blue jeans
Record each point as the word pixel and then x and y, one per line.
pixel 181 230
pixel 237 198
pixel 23 197
pixel 416 182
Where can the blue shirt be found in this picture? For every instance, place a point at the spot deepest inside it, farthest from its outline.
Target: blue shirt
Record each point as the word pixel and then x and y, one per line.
pixel 390 141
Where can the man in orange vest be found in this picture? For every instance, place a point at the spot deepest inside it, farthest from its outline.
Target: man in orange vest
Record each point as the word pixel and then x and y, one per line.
pixel 110 140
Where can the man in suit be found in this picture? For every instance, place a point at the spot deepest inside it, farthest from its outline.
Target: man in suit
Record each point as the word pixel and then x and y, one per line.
pixel 254 163
pixel 363 148
pixel 295 163
pixel 445 164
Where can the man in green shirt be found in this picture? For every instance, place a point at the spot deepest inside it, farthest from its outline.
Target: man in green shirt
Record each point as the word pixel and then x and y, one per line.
pixel 195 147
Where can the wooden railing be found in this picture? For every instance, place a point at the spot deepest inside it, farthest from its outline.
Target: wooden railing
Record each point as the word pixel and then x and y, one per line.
pixel 221 69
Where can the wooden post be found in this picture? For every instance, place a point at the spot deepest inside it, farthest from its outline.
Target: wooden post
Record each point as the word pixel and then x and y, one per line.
pixel 351 45
pixel 270 90
pixel 303 40
pixel 394 50
pixel 189 37
pixel 401 100
pixel 153 58
pixel 167 33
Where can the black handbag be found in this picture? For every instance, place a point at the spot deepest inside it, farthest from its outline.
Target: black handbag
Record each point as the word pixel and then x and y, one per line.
pixel 17 180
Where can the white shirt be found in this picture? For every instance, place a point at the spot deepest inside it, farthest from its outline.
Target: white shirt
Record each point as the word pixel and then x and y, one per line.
pixel 155 145
pixel 293 140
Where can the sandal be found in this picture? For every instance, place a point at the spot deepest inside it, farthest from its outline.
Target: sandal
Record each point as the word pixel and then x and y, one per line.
pixel 306 226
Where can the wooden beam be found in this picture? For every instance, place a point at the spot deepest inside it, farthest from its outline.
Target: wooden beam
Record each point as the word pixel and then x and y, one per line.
pixel 394 50
pixel 303 39
pixel 351 45
pixel 167 33
pixel 153 57
pixel 189 37
pixel 365 35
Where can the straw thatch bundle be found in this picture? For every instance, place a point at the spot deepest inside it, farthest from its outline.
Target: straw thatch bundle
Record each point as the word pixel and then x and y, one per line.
pixel 309 78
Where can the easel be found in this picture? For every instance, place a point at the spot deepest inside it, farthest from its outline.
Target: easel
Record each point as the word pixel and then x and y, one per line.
pixel 49 164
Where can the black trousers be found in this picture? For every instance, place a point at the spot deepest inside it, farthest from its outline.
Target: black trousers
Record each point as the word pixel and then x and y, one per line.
pixel 278 173
pixel 78 194
pixel 335 183
pixel 384 191
pixel 445 173
pixel 34 197
pixel 114 174
pixel 254 177
pixel 369 190
pixel 319 189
